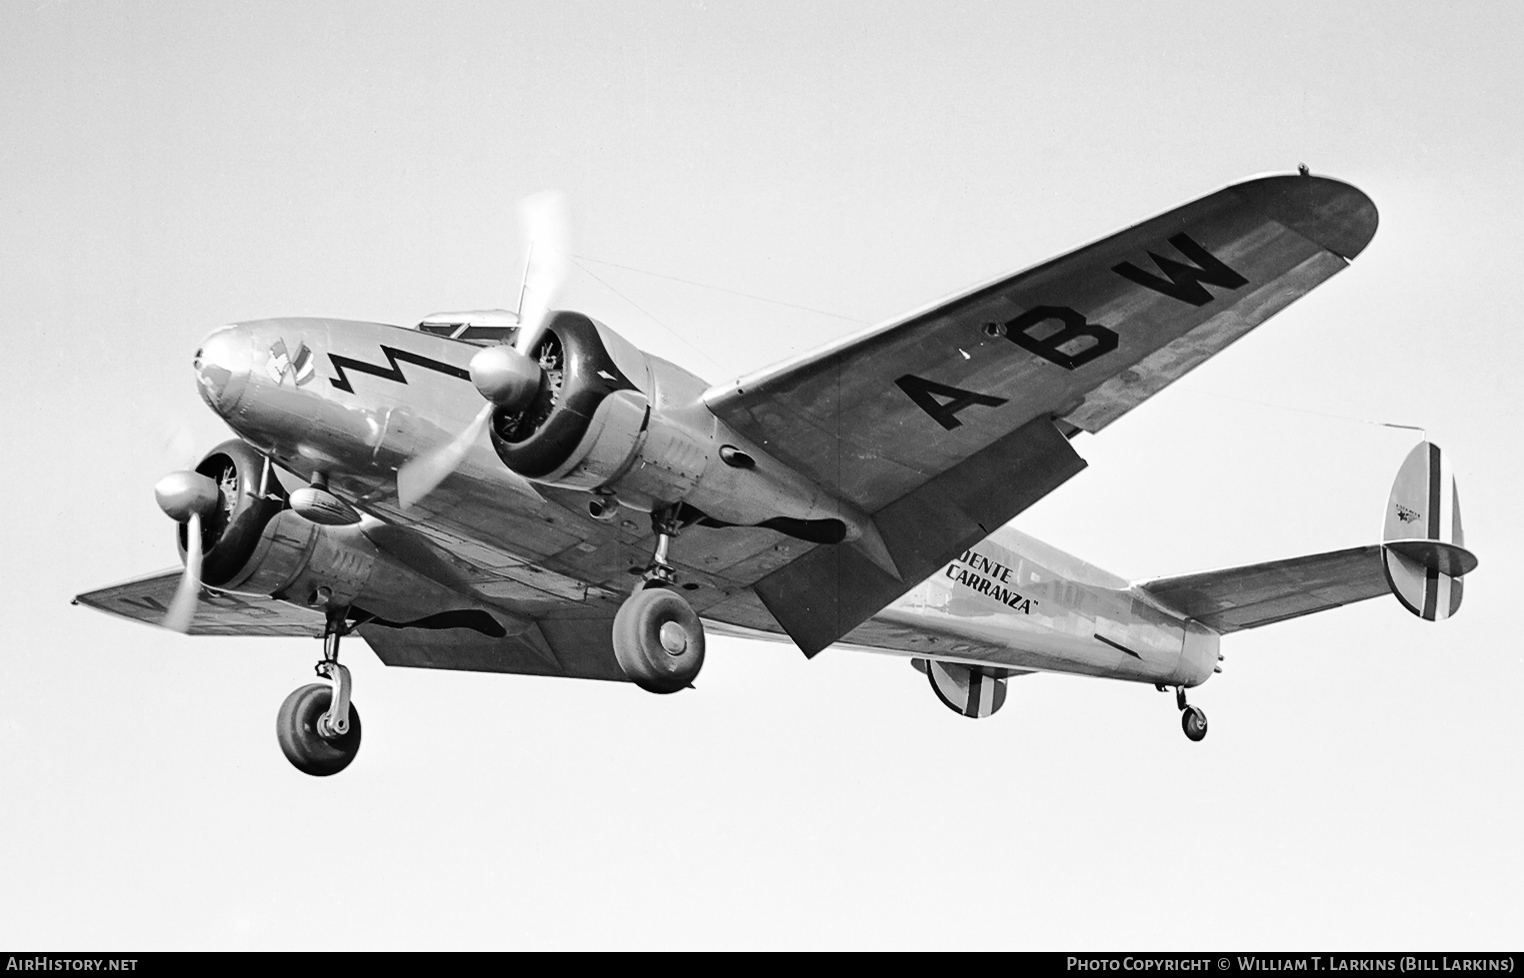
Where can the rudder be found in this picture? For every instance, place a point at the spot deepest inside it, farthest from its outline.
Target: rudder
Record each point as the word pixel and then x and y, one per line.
pixel 1423 551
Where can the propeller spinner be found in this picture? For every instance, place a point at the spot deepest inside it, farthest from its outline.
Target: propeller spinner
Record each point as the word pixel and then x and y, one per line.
pixel 508 377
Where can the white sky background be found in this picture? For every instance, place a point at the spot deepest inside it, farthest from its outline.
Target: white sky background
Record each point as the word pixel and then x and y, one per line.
pixel 168 168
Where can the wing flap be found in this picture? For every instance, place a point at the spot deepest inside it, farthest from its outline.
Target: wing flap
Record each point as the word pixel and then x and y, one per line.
pixel 1259 594
pixel 833 589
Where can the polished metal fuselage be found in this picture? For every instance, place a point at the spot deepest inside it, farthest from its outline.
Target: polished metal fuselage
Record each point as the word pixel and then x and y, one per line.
pixel 354 401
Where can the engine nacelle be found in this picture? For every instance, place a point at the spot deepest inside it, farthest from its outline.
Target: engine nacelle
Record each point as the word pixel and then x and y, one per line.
pixel 254 544
pixel 612 421
pixel 583 364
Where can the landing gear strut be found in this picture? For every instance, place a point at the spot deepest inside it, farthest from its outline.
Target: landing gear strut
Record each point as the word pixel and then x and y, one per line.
pixel 658 638
pixel 318 727
pixel 659 572
pixel 1192 720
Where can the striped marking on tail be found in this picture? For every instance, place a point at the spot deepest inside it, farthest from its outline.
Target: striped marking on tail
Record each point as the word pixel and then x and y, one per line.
pixel 970 690
pixel 1424 553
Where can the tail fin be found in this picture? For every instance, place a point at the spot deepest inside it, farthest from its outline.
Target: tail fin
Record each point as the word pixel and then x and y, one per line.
pixel 1424 553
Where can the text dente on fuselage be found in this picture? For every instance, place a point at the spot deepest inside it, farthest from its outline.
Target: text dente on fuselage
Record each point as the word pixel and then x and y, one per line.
pixel 990 578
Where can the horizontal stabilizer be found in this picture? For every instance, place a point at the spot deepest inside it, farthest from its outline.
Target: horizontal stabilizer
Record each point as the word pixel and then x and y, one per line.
pixel 1260 594
pixel 1420 560
pixel 1424 553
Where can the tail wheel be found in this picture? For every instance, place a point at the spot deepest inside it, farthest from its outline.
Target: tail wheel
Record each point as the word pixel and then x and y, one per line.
pixel 658 640
pixel 296 728
pixel 1194 722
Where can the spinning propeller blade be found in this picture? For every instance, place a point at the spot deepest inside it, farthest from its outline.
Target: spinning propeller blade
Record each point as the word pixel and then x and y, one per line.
pixel 187 497
pixel 547 244
pixel 506 376
pixel 183 608
pixel 419 477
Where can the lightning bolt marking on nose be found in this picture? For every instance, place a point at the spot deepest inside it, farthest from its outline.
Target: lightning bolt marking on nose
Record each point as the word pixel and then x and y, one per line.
pixel 393 372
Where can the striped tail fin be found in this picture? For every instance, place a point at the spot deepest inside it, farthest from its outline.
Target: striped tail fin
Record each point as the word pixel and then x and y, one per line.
pixel 1424 553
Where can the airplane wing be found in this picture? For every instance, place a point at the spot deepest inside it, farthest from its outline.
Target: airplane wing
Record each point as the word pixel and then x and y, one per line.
pixel 146 599
pixel 1260 594
pixel 948 422
pixel 572 642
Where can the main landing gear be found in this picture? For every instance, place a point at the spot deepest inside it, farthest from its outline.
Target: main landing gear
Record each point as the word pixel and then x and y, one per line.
pixel 1192 720
pixel 658 638
pixel 318 727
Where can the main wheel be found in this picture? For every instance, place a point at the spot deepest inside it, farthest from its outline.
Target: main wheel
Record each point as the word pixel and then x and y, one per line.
pixel 658 640
pixel 296 727
pixel 1193 721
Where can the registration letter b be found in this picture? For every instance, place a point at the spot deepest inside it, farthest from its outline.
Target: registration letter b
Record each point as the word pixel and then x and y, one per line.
pixel 1075 342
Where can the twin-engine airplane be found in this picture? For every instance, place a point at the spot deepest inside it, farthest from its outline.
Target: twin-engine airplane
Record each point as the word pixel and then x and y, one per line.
pixel 857 496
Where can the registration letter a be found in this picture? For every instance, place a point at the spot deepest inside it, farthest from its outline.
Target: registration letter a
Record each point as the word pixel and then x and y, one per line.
pixel 941 401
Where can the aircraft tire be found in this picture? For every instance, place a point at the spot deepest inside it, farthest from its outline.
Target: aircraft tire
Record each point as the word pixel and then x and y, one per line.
pixel 1194 722
pixel 296 728
pixel 659 640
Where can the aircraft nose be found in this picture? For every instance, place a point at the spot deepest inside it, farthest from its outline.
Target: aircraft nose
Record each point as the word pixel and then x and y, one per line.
pixel 222 367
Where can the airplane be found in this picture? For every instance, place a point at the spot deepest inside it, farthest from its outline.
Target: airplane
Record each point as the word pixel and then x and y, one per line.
pixel 527 492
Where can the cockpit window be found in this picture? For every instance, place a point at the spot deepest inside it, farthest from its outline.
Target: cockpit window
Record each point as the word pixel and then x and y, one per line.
pixel 468 332
pixel 493 334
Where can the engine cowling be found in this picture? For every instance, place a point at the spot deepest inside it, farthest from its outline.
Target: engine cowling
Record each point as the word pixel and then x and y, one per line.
pixel 580 372
pixel 593 426
pixel 231 534
pixel 609 420
pixel 255 544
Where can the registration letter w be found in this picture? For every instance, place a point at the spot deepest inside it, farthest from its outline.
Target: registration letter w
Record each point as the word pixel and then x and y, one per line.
pixel 1184 282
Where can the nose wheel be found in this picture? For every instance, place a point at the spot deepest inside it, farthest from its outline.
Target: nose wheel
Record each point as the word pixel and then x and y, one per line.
pixel 318 728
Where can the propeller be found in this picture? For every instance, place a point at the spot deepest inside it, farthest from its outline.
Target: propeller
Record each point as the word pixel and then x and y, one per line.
pixel 547 256
pixel 506 376
pixel 187 497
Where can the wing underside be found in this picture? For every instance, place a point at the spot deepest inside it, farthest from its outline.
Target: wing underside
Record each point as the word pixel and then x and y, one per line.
pixel 572 641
